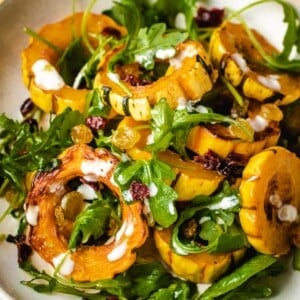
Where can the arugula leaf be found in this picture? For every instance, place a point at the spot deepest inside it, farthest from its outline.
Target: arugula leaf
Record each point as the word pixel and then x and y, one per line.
pixel 152 173
pixel 216 216
pixel 24 150
pixel 71 61
pixel 96 105
pixel 91 222
pixel 239 276
pixel 161 124
pixel 179 290
pixel 141 281
pixel 167 11
pixel 163 202
pixel 143 48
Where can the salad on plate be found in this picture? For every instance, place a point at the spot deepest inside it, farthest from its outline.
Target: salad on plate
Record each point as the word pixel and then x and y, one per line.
pixel 158 153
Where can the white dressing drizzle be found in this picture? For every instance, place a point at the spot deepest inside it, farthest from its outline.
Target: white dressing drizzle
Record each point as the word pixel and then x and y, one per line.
pixel 32 214
pixel 46 76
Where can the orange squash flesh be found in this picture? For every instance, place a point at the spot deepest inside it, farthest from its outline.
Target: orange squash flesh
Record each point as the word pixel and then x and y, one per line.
pixel 270 182
pixel 232 52
pixel 204 138
pixel 89 262
pixel 57 100
pixel 198 268
pixel 188 80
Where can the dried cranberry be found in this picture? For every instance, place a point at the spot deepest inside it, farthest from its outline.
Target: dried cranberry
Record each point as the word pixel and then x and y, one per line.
pixel 135 81
pixel 233 165
pixel 26 107
pixel 210 160
pixel 209 17
pixel 139 191
pixel 96 122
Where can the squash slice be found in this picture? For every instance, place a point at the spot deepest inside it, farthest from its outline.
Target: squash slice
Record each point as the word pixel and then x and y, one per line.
pixel 88 263
pixel 270 200
pixel 198 268
pixel 56 100
pixel 189 76
pixel 232 52
pixel 217 138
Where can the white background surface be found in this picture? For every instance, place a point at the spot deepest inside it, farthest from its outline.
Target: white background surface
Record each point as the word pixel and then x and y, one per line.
pixel 16 14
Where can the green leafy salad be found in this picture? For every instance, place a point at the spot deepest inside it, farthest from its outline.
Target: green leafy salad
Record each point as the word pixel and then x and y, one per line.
pixel 158 154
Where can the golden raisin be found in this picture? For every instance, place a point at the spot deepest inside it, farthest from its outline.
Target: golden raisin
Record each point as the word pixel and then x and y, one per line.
pixel 125 137
pixel 242 130
pixel 81 134
pixel 72 204
pixel 271 112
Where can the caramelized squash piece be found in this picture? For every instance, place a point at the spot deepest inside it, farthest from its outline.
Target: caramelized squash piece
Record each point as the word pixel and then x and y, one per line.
pixel 217 138
pixel 198 268
pixel 85 263
pixel 270 199
pixel 57 99
pixel 189 76
pixel 233 53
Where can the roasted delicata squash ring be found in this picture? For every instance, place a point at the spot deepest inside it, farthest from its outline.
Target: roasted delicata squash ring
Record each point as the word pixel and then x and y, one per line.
pixel 202 138
pixel 270 200
pixel 85 263
pixel 263 119
pixel 189 76
pixel 198 268
pixel 232 52
pixel 51 94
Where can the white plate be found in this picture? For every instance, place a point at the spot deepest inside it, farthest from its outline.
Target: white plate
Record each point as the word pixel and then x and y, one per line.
pixel 14 15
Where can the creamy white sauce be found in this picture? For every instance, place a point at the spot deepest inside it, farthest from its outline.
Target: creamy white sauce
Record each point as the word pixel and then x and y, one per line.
pixel 177 61
pixel 129 228
pixel 258 123
pixel 147 212
pixel 127 195
pixel 226 203
pixel 204 219
pixel 96 167
pixel 121 231
pixel 143 59
pixel 152 189
pixel 118 251
pixel 182 103
pixel 113 77
pixel 202 287
pixel 253 178
pixel 165 53
pixel 275 200
pixel 150 139
pixel 126 229
pixel 240 61
pixel 46 76
pixel 270 81
pixel 180 21
pixel 32 214
pixel 288 213
pixel 64 263
pixel 201 109
pixel 87 191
